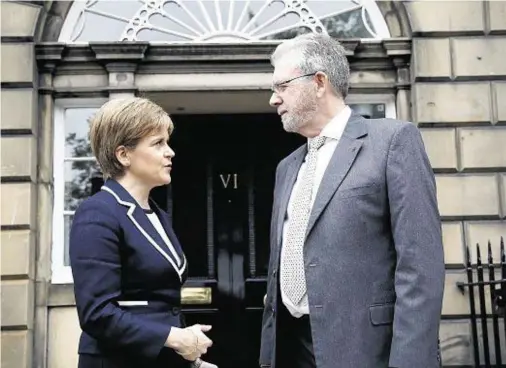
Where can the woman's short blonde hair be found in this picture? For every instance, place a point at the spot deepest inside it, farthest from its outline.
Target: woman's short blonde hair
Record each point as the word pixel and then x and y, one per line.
pixel 124 122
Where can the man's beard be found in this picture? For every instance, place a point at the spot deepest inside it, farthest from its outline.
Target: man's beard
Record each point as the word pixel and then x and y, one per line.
pixel 303 111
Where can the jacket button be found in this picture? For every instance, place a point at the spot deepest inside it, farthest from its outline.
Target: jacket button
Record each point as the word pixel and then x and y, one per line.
pixel 176 310
pixel 274 272
pixel 273 312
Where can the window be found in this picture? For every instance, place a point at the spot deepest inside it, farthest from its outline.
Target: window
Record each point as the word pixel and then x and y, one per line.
pixel 373 106
pixel 220 21
pixel 74 169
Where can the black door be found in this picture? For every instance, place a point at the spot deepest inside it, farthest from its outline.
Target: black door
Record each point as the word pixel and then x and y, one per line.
pixel 220 202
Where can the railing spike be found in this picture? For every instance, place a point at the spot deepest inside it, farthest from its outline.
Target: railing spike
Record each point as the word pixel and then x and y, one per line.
pixel 478 254
pixel 503 255
pixel 468 256
pixel 490 258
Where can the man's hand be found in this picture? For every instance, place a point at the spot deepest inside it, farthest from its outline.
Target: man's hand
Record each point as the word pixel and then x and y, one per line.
pixel 199 363
pixel 190 342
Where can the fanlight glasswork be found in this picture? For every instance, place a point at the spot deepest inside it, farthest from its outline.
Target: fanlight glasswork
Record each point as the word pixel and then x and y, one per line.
pixel 220 20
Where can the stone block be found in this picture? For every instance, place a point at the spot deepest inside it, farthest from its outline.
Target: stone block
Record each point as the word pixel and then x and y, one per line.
pixel 497 15
pixel 17 62
pixel 17 253
pixel 81 81
pixel 468 195
pixel 18 19
pixel 18 109
pixel 19 156
pixel 18 203
pixel 452 103
pixel 454 302
pixel 441 147
pixel 456 343
pixel 445 16
pixel 499 89
pixel 453 242
pixel 479 56
pixel 16 349
pixel 63 337
pixel 17 303
pixel 431 57
pixel 482 147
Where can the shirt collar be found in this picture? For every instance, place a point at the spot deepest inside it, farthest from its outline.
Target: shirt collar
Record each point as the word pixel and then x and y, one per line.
pixel 335 127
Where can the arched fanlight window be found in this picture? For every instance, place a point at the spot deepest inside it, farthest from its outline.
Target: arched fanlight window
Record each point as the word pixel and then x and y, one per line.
pixel 220 20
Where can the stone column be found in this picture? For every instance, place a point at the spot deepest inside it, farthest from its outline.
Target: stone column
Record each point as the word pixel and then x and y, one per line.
pixel 19 180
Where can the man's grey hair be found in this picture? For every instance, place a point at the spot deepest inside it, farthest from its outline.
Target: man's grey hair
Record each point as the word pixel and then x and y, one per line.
pixel 317 52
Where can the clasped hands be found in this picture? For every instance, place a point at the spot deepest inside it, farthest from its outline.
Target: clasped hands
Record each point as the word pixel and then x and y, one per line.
pixel 191 343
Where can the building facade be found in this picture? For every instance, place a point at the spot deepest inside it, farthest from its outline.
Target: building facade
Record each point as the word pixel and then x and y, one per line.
pixel 437 64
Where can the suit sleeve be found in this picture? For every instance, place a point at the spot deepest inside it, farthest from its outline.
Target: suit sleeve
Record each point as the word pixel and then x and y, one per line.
pixel 416 228
pixel 95 241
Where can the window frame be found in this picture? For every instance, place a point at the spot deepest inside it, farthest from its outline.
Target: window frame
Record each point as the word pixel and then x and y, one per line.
pixel 75 19
pixel 60 273
pixel 388 99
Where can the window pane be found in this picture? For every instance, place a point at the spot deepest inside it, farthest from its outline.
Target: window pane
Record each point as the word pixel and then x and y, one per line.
pixel 369 110
pixel 78 182
pixel 110 15
pixel 348 25
pixel 220 21
pixel 77 143
pixel 68 224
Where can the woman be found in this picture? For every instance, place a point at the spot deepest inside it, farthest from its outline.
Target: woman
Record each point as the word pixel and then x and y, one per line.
pixel 127 263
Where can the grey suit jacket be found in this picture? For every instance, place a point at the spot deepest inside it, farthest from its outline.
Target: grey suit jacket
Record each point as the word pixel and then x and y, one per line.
pixel 373 254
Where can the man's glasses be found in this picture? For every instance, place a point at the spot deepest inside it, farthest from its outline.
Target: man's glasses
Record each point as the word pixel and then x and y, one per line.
pixel 281 86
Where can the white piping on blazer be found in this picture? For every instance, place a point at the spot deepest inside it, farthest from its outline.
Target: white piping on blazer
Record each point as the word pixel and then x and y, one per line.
pixel 146 235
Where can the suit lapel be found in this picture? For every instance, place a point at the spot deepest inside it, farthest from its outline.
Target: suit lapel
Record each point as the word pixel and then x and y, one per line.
pixel 342 159
pixel 139 219
pixel 170 233
pixel 290 175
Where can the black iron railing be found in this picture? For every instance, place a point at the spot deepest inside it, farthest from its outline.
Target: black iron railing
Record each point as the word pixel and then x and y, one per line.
pixel 497 298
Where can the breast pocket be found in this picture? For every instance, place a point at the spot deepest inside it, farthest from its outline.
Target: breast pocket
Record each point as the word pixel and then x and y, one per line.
pixel 357 191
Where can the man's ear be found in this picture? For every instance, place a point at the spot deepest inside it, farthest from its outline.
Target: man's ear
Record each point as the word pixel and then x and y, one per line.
pixel 321 83
pixel 123 156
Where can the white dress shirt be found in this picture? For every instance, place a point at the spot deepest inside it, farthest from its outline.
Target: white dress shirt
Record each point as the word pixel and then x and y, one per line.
pixel 333 132
pixel 158 226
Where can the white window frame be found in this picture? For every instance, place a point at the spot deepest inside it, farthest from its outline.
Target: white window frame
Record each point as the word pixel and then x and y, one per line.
pixel 73 17
pixel 60 273
pixel 388 99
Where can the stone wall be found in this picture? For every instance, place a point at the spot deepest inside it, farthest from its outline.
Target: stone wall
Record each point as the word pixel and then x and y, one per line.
pixel 19 178
pixel 459 103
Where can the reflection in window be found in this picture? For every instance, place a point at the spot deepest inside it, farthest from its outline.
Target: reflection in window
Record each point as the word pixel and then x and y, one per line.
pixel 221 21
pixel 370 110
pixel 79 166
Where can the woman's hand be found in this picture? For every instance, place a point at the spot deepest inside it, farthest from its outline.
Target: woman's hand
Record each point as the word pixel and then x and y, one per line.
pixel 189 342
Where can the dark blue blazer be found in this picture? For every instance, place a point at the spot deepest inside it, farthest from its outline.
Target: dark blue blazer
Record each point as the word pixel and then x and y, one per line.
pixel 127 282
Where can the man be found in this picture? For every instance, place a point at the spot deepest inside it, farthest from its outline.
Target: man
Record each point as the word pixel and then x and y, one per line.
pixel 356 268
